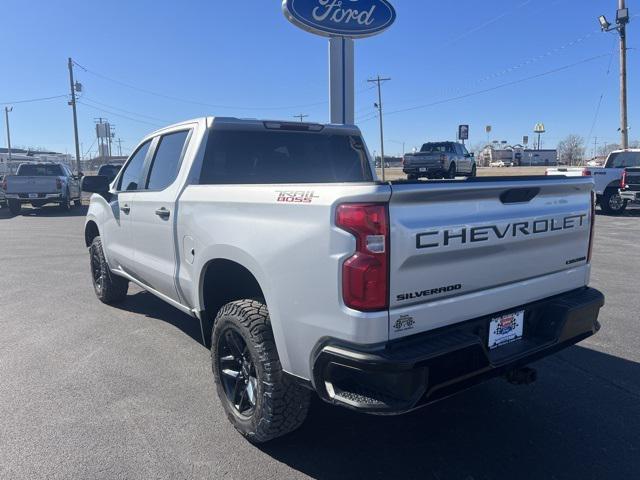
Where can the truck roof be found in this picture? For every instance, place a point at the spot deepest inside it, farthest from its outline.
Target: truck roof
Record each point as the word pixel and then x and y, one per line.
pixel 213 122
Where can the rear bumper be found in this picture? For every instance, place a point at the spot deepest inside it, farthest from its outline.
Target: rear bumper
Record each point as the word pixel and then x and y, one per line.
pixel 413 372
pixel 24 197
pixel 630 195
pixel 425 170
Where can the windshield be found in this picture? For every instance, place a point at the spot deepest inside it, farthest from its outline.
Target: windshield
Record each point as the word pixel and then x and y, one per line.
pixel 437 148
pixel 109 171
pixel 272 157
pixel 623 160
pixel 40 171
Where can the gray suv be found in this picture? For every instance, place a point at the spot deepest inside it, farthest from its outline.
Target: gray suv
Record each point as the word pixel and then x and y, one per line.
pixel 440 160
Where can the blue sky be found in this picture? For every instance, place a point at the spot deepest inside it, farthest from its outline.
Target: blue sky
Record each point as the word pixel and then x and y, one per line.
pixel 242 58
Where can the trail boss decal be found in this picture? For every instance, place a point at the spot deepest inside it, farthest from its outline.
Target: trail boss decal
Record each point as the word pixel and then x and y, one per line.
pixel 463 236
pixel 292 196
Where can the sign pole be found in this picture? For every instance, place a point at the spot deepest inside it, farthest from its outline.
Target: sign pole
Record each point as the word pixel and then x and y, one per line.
pixel 342 80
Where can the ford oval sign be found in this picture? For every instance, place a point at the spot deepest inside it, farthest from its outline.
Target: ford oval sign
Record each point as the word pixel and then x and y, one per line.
pixel 340 18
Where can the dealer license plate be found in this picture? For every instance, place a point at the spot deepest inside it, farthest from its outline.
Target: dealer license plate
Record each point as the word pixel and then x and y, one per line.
pixel 33 195
pixel 506 329
pixel 423 169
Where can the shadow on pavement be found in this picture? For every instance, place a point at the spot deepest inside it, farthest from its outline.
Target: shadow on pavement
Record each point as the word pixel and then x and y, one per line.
pixel 580 420
pixel 631 211
pixel 144 303
pixel 51 211
pixel 570 424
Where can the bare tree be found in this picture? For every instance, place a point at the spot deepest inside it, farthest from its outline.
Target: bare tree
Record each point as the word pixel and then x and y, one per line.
pixel 605 150
pixel 571 150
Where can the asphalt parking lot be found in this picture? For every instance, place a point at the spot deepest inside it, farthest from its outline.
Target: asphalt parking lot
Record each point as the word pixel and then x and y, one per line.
pixel 89 391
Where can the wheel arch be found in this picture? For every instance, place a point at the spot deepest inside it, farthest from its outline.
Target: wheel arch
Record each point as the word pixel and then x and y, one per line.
pixel 91 231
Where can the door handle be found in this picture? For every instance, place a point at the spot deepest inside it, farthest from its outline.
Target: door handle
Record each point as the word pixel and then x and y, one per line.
pixel 125 209
pixel 163 213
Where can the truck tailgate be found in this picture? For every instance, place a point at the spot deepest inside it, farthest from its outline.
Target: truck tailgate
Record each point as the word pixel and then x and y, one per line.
pixel 20 184
pixel 460 250
pixel 425 160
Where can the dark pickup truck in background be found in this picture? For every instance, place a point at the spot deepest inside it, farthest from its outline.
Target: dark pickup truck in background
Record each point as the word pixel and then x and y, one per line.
pixel 630 190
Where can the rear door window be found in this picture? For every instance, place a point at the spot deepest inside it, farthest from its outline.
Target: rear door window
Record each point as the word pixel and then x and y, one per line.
pixel 277 157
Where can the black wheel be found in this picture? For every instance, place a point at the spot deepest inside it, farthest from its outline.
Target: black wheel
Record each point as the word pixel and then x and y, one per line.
pixel 451 174
pixel 474 172
pixel 109 288
pixel 15 207
pixel 65 205
pixel 612 203
pixel 77 203
pixel 412 176
pixel 261 402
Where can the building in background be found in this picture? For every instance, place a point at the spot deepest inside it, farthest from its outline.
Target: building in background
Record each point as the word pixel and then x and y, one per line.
pixel 19 155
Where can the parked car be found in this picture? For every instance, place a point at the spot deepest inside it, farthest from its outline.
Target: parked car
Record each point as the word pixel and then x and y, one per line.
pixel 3 198
pixel 40 184
pixel 498 164
pixel 109 171
pixel 307 274
pixel 630 191
pixel 607 178
pixel 440 160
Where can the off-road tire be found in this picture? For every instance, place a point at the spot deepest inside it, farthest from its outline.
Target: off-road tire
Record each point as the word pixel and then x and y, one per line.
pixel 281 404
pixel 111 288
pixel 611 207
pixel 412 177
pixel 474 172
pixel 77 202
pixel 15 207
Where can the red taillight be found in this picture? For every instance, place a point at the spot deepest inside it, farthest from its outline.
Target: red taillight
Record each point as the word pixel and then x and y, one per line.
pixel 58 184
pixel 623 180
pixel 365 275
pixel 592 226
pixel 586 173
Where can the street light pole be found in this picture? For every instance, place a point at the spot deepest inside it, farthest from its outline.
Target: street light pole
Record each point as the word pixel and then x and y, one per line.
pixel 6 117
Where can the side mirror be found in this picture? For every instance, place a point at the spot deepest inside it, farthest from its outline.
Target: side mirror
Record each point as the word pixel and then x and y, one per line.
pixel 95 184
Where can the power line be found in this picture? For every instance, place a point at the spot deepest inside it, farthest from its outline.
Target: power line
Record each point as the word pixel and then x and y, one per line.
pixel 99 109
pixel 32 100
pixel 498 87
pixel 194 102
pixel 91 100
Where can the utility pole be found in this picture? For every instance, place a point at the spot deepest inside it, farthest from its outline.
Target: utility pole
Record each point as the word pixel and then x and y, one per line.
pixel 72 85
pixel 6 117
pixel 302 116
pixel 119 147
pixel 624 125
pixel 622 18
pixel 378 80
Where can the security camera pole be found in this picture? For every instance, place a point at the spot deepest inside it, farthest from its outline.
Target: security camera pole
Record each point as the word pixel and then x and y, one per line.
pixel 622 18
pixel 380 81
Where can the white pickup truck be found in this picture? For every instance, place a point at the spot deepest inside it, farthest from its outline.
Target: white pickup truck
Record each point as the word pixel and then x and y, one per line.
pixel 307 274
pixel 607 179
